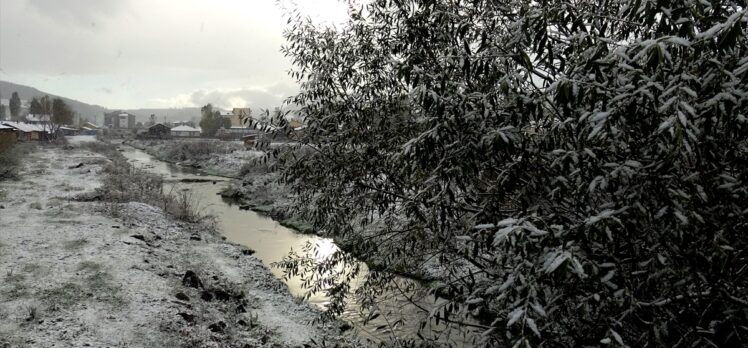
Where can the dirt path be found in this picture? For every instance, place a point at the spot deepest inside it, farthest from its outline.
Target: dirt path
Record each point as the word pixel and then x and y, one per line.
pixel 79 274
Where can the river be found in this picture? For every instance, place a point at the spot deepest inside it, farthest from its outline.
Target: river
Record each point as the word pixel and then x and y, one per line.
pixel 272 242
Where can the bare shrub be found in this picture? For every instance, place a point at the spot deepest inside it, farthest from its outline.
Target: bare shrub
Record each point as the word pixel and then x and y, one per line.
pixel 10 160
pixel 125 183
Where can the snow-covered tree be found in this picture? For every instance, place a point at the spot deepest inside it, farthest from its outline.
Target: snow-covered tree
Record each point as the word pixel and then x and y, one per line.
pixel 577 170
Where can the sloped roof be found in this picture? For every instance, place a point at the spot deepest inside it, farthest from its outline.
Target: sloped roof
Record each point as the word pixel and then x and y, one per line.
pixel 185 129
pixel 25 127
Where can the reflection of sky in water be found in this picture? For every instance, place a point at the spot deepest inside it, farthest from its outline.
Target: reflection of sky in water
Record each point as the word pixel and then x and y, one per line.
pixel 272 242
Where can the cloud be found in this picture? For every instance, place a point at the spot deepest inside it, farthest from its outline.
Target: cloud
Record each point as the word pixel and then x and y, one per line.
pixel 150 53
pixel 227 98
pixel 82 12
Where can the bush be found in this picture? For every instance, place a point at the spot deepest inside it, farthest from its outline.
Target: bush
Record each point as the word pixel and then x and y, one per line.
pixel 11 159
pixel 577 169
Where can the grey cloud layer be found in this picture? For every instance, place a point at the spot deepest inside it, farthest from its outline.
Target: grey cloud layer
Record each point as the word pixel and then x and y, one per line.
pixel 146 53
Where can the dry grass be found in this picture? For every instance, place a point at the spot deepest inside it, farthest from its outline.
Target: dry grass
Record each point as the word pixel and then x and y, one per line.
pixel 11 159
pixel 124 183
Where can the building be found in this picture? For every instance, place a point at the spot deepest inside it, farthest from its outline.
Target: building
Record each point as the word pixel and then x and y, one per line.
pixel 66 131
pixel 119 120
pixel 238 115
pixel 185 131
pixel 28 131
pixel 225 114
pixel 158 131
pixel 182 123
pixel 88 128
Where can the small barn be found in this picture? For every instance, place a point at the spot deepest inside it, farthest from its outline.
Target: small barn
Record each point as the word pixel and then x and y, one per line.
pixel 158 131
pixel 185 131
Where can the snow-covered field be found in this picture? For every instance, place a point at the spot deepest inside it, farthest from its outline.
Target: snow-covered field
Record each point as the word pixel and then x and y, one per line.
pixel 98 274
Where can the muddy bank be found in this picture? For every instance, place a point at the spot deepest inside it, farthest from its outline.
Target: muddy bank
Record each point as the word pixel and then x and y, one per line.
pixel 125 274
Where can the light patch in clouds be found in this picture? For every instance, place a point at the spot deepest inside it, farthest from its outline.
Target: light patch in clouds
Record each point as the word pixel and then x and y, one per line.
pixel 227 98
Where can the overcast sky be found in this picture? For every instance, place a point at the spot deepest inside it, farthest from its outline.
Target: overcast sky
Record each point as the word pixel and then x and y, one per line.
pixel 152 53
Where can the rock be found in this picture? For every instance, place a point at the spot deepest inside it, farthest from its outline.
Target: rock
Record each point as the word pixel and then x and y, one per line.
pixel 241 309
pixel 242 322
pixel 187 317
pixel 231 192
pixel 191 280
pixel 218 327
pixel 195 237
pixel 181 296
pixel 206 296
pixel 221 295
pixel 76 166
pixel 247 252
pixel 2 206
pixel 244 207
pixel 138 236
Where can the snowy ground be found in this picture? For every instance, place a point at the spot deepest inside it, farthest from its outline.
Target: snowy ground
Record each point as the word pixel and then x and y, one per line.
pixel 97 274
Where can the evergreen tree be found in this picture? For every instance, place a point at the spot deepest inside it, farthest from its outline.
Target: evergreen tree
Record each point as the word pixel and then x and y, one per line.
pixel 14 104
pixel 35 107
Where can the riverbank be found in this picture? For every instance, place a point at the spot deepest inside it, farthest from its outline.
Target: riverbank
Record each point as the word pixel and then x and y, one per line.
pixel 256 182
pixel 113 274
pixel 256 187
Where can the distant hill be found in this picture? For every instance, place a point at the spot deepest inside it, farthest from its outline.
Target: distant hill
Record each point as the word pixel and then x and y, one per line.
pixel 96 112
pixel 82 109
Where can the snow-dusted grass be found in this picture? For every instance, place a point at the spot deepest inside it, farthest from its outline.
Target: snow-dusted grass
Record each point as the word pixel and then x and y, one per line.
pixel 223 158
pixel 73 275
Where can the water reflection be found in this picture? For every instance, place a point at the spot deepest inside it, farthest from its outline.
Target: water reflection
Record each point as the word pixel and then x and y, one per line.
pixel 272 242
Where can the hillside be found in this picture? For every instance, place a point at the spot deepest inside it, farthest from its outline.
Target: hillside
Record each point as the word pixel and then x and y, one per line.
pixel 26 93
pixel 95 112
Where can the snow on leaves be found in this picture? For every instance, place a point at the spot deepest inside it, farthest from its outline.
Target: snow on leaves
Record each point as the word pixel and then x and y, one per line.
pixel 564 162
